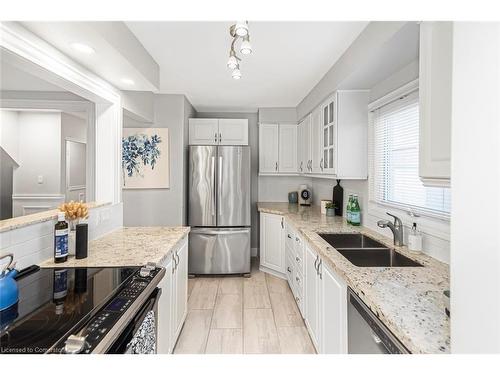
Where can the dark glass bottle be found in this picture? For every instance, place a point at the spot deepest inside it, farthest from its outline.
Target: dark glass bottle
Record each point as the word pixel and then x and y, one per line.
pixel 61 233
pixel 338 198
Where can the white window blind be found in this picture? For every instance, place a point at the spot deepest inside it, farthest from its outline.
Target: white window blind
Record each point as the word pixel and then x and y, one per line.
pixel 395 159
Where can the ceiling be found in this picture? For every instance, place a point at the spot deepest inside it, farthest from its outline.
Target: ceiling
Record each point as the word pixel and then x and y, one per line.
pixel 288 60
pixel 118 57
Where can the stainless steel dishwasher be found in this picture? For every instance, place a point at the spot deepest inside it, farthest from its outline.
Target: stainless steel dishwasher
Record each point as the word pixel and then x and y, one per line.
pixel 366 333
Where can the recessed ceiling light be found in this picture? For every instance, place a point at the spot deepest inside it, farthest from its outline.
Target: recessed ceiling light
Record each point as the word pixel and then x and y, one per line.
pixel 127 81
pixel 83 48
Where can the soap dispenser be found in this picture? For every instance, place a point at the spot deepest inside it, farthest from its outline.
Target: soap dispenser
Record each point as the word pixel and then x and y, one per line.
pixel 415 239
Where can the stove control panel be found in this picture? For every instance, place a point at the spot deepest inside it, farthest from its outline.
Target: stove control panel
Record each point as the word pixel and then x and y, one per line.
pixel 87 339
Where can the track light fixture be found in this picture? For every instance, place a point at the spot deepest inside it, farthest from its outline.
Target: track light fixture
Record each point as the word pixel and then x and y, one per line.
pixel 238 31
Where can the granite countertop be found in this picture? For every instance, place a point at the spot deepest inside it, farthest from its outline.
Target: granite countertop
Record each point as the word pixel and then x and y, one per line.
pixel 409 301
pixel 39 217
pixel 131 246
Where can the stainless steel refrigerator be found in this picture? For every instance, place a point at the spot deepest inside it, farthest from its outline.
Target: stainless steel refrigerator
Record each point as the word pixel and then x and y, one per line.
pixel 219 209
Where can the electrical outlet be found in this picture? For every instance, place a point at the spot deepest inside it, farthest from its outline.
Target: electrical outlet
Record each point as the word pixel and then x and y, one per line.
pixel 40 179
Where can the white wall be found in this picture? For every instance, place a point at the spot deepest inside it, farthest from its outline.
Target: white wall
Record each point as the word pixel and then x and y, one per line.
pixel 155 207
pixel 9 133
pixel 75 128
pixel 475 181
pixel 276 188
pixel 39 153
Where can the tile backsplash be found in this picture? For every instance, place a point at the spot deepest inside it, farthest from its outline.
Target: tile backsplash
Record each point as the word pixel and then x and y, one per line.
pixel 34 243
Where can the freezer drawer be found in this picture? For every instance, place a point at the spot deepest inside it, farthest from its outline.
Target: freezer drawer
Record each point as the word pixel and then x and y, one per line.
pixel 219 251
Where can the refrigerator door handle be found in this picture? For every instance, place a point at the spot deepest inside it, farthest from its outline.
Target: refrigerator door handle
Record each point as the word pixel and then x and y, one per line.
pixel 219 188
pixel 214 182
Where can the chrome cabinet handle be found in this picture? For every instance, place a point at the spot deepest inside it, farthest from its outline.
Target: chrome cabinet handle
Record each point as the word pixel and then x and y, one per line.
pixel 297 299
pixel 282 225
pixel 215 138
pixel 288 269
pixel 316 261
pixel 297 279
pixel 297 259
pixel 289 236
pixel 320 273
pixel 321 164
pixel 276 166
pixel 220 137
pixel 301 163
pixel 297 239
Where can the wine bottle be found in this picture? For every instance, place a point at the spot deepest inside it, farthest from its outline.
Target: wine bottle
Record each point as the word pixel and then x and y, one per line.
pixel 61 232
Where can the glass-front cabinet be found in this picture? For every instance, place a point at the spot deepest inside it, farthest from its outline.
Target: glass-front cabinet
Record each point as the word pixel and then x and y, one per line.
pixel 329 127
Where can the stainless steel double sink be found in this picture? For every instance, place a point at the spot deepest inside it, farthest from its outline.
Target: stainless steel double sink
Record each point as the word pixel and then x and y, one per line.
pixel 363 251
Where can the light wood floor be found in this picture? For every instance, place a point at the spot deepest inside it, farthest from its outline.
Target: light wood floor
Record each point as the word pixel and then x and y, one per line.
pixel 235 315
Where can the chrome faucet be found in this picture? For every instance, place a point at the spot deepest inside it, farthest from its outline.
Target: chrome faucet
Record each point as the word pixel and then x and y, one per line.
pixel 397 228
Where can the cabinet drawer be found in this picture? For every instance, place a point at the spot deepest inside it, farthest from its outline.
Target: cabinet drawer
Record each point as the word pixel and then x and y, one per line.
pixel 290 238
pixel 298 281
pixel 289 270
pixel 299 254
pixel 299 300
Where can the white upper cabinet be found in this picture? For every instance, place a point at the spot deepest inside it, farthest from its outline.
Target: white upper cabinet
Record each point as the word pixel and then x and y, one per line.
pixel 233 131
pixel 436 54
pixel 268 148
pixel 304 146
pixel 316 141
pixel 205 131
pixel 328 145
pixel 330 142
pixel 277 149
pixel 350 138
pixel 287 162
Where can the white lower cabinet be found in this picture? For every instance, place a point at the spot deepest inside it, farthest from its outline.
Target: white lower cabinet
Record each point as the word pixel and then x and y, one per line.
pixel 272 243
pixel 320 293
pixel 312 297
pixel 172 306
pixel 326 306
pixel 333 296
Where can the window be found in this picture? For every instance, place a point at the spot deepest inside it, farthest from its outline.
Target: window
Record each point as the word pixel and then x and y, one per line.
pixel 395 148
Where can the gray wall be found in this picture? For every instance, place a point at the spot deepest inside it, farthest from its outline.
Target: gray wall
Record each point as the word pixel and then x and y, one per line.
pixel 366 45
pixel 253 140
pixel 7 166
pixel 163 207
pixel 277 115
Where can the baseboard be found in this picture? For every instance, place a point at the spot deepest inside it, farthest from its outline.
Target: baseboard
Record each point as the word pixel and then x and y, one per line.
pixel 272 272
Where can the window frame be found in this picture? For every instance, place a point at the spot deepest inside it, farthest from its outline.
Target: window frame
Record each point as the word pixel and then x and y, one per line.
pixel 429 221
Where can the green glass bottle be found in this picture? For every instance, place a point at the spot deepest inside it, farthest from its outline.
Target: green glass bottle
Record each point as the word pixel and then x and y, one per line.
pixel 355 211
pixel 348 209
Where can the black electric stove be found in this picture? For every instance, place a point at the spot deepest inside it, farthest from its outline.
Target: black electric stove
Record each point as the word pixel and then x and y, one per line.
pixel 55 303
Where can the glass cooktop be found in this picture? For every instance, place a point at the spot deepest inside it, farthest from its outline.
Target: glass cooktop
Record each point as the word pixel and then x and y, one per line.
pixel 54 302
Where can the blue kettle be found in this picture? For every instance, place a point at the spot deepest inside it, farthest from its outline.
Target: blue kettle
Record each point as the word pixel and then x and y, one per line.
pixel 9 292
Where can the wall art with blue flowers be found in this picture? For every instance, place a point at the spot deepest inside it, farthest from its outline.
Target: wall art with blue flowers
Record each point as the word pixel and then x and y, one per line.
pixel 145 162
